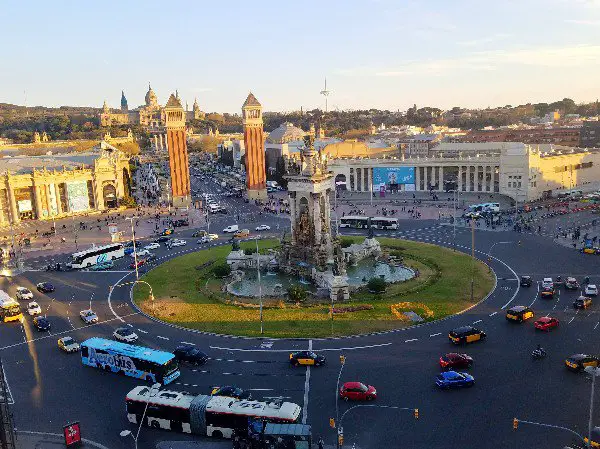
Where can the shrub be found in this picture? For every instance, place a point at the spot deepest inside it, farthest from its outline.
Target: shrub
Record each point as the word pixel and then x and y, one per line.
pixel 345 242
pixel 296 293
pixel 356 308
pixel 222 270
pixel 249 251
pixel 376 285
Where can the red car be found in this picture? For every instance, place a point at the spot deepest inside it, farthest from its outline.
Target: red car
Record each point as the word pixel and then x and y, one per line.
pixel 453 360
pixel 357 391
pixel 140 262
pixel 546 323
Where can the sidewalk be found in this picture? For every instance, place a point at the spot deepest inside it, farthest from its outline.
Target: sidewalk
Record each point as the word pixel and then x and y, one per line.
pixel 43 440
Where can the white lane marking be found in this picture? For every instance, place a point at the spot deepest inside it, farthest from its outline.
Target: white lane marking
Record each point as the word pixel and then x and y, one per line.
pixel 161 337
pixel 130 325
pixel 412 339
pixel 186 343
pixel 493 313
pixel 596 325
pixel 571 320
pixel 435 335
pixel 85 326
pixel 306 389
pixel 478 321
pixel 537 293
pixel 112 288
pixel 71 324
pixel 142 331
pixel 351 348
pixel 10 398
pixel 260 389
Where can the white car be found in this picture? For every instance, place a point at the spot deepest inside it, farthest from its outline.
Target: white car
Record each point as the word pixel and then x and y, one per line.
pixel 263 228
pixel 591 290
pixel 208 238
pixel 125 334
pixel 34 308
pixel 67 344
pixel 152 246
pixel 231 229
pixel 141 253
pixel 88 316
pixel 24 294
pixel 178 242
pixel 547 282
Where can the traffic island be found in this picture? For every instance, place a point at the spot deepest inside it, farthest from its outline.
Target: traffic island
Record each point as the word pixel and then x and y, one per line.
pixel 190 291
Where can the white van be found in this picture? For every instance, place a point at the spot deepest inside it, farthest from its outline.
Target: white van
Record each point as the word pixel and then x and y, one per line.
pixel 231 228
pixel 213 208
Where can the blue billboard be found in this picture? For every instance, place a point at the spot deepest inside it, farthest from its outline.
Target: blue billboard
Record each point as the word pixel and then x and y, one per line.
pixel 383 176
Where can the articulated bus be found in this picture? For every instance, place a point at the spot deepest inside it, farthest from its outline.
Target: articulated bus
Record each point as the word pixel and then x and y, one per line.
pixel 135 361
pixel 97 254
pixel 10 310
pixel 360 222
pixel 214 416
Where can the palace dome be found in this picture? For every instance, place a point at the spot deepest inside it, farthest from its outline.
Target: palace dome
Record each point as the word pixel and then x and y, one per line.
pixel 151 99
pixel 286 132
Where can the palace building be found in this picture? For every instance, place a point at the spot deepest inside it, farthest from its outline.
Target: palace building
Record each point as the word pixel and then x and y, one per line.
pixel 59 185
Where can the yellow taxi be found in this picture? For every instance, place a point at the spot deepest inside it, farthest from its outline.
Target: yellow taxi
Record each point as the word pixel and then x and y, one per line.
pixel 465 334
pixel 578 362
pixel 519 313
pixel 306 358
pixel 242 233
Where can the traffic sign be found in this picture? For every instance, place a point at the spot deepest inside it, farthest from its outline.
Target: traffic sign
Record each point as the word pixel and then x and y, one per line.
pixel 72 433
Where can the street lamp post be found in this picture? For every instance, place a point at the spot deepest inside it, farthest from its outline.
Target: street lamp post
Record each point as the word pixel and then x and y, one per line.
pixel 337 388
pixel 152 393
pixel 489 254
pixel 259 286
pixel 594 372
pixel 140 282
pixel 137 274
pixel 472 256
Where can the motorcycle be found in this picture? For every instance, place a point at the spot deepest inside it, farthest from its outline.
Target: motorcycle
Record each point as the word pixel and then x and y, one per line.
pixel 537 354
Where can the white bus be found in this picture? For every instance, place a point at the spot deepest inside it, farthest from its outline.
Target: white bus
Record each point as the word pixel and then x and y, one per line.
pixel 97 254
pixel 354 221
pixel 384 223
pixel 216 416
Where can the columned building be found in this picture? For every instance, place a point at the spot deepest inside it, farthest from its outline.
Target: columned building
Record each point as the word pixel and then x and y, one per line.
pixel 254 142
pixel 178 155
pixel 47 187
pixel 524 172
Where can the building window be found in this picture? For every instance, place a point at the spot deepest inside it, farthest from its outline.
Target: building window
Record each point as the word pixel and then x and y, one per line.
pixel 519 184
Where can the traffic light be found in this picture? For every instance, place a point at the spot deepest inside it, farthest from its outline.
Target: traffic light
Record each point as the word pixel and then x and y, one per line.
pixel 515 423
pixel 340 440
pixel 416 413
pixel 342 359
pixel 332 423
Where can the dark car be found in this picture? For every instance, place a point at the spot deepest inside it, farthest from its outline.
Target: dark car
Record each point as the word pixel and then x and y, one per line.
pixel 465 334
pixel 306 358
pixel 571 284
pixel 454 360
pixel 547 292
pixel 231 391
pixel 45 287
pixel 519 313
pixel 41 323
pixel 583 302
pixel 162 239
pixel 150 258
pixel 453 379
pixel 577 362
pixel 189 354
pixel 526 281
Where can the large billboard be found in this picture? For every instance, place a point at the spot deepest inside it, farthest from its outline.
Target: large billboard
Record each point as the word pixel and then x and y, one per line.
pixel 386 176
pixel 77 192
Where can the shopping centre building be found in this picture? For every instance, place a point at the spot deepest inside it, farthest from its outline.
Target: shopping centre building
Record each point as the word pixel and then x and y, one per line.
pixel 520 171
pixel 59 185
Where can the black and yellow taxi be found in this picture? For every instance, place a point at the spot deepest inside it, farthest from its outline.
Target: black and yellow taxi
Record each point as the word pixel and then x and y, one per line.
pixel 519 313
pixel 578 362
pixel 306 358
pixel 465 334
pixel 583 302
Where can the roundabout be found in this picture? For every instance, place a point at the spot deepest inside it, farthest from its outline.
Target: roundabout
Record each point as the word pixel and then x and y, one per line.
pixel 402 364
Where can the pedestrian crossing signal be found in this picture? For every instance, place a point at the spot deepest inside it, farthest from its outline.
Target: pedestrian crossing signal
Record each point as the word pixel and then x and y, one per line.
pixel 342 359
pixel 416 413
pixel 515 423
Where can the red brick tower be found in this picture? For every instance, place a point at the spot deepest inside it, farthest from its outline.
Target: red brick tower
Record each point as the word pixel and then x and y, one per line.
pixel 178 156
pixel 256 180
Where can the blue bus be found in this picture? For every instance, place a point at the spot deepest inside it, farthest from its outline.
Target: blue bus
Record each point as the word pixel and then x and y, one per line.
pixel 135 361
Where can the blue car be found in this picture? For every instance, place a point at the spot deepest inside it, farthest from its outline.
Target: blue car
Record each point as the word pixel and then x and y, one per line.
pixel 453 379
pixel 128 250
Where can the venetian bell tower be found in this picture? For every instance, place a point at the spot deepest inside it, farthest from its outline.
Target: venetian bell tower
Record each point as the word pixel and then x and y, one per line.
pixel 254 141
pixel 178 155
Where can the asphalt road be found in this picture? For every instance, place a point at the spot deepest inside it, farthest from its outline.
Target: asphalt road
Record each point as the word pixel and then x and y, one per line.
pixel 50 388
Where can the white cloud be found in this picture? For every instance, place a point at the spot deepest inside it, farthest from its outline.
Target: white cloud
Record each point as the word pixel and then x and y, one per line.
pixel 556 57
pixel 584 22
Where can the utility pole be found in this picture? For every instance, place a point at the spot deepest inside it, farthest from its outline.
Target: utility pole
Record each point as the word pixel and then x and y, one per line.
pixel 472 256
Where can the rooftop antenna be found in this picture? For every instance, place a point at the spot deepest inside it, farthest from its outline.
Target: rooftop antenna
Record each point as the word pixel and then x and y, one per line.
pixel 325 93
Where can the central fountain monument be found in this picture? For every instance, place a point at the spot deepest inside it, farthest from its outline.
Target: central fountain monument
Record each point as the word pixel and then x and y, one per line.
pixel 313 252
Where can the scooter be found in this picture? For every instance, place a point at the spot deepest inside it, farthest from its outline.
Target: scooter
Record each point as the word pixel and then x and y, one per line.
pixel 538 354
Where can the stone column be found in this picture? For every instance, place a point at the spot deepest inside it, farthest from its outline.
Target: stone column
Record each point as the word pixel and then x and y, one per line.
pixel 459 183
pixel 417 178
pixel 425 179
pixel 38 201
pixel 166 142
pixel 366 180
pixel 441 178
pixel 13 203
pixel 160 140
pixel 467 181
pixel 155 142
pixel 59 210
pixel 358 172
pixel 316 215
pixel 292 214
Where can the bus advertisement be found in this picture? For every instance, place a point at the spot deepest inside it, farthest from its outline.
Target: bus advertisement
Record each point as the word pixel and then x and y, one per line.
pixel 213 416
pixel 391 177
pixel 134 361
pixel 10 310
pixel 96 255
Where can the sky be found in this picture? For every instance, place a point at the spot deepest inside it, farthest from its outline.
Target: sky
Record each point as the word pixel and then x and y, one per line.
pixel 385 54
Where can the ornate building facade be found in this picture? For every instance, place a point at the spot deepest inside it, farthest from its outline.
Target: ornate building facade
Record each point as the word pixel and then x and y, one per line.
pixel 47 187
pixel 178 155
pixel 254 142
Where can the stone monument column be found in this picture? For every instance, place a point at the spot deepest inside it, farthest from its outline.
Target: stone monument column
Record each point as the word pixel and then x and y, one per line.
pixel 316 213
pixel 293 217
pixel 14 213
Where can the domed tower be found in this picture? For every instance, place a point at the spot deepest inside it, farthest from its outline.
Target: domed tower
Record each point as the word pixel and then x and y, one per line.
pixel 124 106
pixel 105 108
pixel 254 141
pixel 151 99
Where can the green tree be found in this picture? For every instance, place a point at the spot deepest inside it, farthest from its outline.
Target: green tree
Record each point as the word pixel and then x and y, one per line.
pixel 376 285
pixel 222 270
pixel 296 293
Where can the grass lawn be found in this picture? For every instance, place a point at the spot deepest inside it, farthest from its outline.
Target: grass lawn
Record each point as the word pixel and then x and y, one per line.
pixel 187 294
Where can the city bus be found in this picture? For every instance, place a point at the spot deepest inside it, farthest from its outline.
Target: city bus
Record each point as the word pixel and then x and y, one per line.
pixel 135 361
pixel 354 221
pixel 97 254
pixel 213 416
pixel 10 310
pixel 384 223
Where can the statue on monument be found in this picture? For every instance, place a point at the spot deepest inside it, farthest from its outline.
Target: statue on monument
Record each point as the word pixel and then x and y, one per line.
pixel 235 245
pixel 371 234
